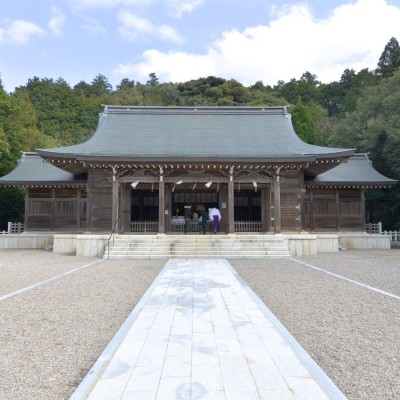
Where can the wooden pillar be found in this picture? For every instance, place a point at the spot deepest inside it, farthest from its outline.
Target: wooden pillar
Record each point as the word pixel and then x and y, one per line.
pixel 302 202
pixel 52 208
pixel 277 201
pixel 231 204
pixel 115 201
pixel 337 203
pixel 78 209
pixel 89 202
pixel 311 199
pixel 362 205
pixel 161 203
pixel 26 219
pixel 168 207
pixel 266 209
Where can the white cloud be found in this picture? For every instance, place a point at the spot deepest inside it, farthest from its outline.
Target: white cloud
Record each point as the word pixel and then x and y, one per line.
pixel 181 7
pixel 20 32
pixel 174 66
pixel 135 28
pixel 56 21
pixel 82 4
pixel 93 26
pixel 353 36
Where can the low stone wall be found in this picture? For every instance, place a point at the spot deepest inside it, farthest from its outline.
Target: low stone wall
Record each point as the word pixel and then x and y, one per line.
pixel 95 245
pixel 26 241
pixel 363 241
pixel 81 245
pixel 328 243
pixel 306 245
pixel 302 244
pixel 64 244
pixel 91 245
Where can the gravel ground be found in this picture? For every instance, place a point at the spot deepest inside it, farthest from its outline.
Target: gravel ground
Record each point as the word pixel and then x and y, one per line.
pixel 351 332
pixel 51 335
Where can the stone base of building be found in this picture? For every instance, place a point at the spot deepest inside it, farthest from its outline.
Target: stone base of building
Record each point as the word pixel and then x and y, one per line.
pixel 27 241
pixel 88 245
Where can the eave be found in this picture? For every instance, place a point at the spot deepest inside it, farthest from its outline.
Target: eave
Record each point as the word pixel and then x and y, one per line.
pixel 312 164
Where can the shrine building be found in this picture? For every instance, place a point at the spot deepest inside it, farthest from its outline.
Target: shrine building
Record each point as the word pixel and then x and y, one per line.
pixel 143 164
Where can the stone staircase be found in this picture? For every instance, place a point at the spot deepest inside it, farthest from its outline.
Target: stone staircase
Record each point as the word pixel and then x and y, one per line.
pixel 196 246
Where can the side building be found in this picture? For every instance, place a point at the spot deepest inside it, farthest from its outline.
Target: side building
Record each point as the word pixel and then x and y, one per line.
pixel 143 164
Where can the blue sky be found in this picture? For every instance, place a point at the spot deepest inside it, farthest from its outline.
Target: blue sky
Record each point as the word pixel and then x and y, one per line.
pixel 179 40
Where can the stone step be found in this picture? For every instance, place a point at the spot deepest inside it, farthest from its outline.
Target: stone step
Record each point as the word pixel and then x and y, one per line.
pixel 167 256
pixel 196 246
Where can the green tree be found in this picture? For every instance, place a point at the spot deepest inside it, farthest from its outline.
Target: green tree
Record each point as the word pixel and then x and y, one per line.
pixel 126 84
pixel 153 81
pixel 389 61
pixel 303 122
pixel 306 89
pixel 100 86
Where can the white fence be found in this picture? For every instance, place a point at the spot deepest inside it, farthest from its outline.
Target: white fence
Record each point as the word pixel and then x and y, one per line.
pixel 394 235
pixel 13 227
pixel 374 228
pixel 377 228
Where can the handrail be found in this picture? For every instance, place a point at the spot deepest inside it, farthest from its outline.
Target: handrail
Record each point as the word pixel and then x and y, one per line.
pixel 112 234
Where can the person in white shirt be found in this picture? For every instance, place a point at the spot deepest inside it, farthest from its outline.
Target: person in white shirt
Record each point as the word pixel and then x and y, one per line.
pixel 215 217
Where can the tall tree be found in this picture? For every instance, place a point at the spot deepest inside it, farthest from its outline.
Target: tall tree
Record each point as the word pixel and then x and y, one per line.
pixel 303 123
pixel 306 88
pixel 389 60
pixel 153 80
pixel 100 86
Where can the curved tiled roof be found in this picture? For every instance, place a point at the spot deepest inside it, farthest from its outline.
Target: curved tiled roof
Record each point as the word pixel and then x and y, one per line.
pixel 358 170
pixel 192 133
pixel 33 170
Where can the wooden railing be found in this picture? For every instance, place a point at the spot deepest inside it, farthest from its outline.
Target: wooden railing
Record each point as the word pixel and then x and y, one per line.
pixel 144 226
pixel 248 226
pixel 178 226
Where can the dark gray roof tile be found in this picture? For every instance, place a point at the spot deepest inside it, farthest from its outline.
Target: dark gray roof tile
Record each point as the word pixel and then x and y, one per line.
pixel 358 170
pixel 188 132
pixel 32 169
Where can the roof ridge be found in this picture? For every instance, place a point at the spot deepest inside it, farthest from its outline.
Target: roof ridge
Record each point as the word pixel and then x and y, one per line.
pixel 266 110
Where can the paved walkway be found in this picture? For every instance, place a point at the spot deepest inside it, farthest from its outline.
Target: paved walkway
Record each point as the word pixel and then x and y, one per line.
pixel 200 333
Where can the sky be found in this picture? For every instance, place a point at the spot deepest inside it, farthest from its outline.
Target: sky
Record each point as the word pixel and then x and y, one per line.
pixel 180 40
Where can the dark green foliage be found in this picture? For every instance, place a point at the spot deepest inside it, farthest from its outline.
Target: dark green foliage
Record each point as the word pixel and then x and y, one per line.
pixel 303 123
pixel 341 97
pixel 389 61
pixel 305 89
pixel 12 206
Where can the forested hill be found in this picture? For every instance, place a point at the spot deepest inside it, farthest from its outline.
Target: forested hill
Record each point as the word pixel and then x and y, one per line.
pixel 361 111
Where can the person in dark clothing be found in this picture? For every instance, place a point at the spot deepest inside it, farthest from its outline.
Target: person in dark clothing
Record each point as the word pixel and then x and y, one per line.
pixel 203 219
pixel 187 214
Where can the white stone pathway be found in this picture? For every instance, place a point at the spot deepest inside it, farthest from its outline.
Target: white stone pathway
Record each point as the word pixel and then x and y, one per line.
pixel 201 333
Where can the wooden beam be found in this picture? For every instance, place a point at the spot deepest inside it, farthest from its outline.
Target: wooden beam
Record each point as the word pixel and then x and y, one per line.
pixel 277 203
pixel 161 206
pixel 115 200
pixel 231 204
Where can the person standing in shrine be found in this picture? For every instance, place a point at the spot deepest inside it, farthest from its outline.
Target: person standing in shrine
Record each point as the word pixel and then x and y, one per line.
pixel 215 217
pixel 203 219
pixel 187 214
